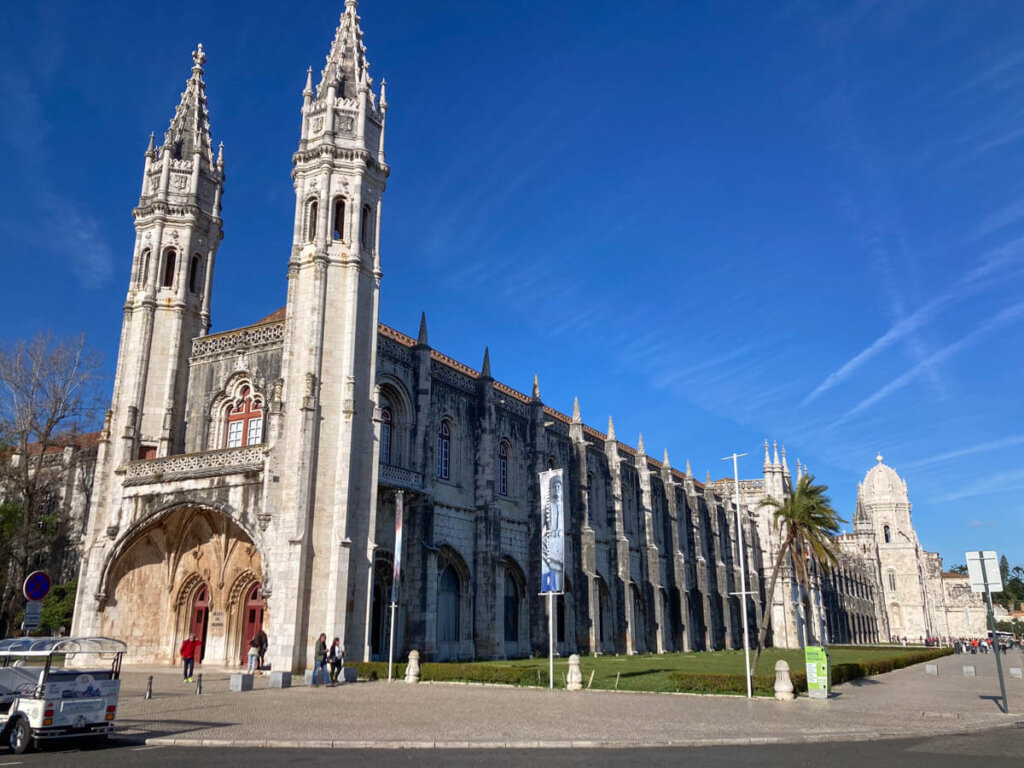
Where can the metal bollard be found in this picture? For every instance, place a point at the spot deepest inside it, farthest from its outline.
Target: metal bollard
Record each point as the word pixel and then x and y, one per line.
pixel 149 687
pixel 199 683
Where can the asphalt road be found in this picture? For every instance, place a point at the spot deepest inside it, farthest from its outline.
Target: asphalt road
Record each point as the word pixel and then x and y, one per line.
pixel 997 747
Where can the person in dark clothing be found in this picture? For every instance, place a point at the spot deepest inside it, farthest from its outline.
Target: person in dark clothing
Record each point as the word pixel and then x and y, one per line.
pixel 262 643
pixel 336 658
pixel 320 659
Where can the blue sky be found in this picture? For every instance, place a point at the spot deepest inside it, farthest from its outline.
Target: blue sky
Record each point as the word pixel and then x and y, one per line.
pixel 716 222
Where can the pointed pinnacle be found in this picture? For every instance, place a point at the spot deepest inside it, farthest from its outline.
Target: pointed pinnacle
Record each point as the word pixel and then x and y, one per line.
pixel 664 462
pixel 707 478
pixel 536 387
pixel 576 417
pixel 640 444
pixel 220 154
pixel 485 369
pixel 152 140
pixel 689 472
pixel 775 445
pixel 308 90
pixel 611 429
pixel 421 340
pixel 784 466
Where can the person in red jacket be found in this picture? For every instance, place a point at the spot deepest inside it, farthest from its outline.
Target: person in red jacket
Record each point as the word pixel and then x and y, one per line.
pixel 189 651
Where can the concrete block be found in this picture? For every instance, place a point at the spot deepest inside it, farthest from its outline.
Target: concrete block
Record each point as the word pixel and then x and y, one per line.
pixel 307 677
pixel 240 682
pixel 280 679
pixel 931 669
pixel 1015 673
pixel 350 674
pixel 969 670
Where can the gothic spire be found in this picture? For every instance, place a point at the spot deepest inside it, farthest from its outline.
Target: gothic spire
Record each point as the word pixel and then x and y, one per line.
pixel 536 387
pixel 576 416
pixel 346 68
pixel 189 131
pixel 640 444
pixel 664 462
pixel 775 459
pixel 767 461
pixel 611 429
pixel 485 369
pixel 421 339
pixel 689 472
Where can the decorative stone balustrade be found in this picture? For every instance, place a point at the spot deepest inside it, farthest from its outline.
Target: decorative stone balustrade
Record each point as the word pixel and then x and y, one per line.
pixel 251 338
pixel 400 477
pixel 195 465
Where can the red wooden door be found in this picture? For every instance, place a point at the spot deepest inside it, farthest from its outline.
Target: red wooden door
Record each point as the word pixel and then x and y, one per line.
pixel 253 618
pixel 200 617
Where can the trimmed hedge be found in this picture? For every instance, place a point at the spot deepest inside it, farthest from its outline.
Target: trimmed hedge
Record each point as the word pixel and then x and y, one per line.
pixel 764 685
pixel 455 672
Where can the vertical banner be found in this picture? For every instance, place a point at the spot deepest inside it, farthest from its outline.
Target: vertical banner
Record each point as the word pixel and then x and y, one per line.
pixel 397 574
pixel 552 536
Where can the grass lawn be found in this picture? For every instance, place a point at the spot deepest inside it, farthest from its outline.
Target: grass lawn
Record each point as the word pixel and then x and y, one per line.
pixel 652 672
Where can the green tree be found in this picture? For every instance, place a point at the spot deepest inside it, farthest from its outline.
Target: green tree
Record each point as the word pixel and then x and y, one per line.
pixel 958 568
pixel 1004 569
pixel 808 525
pixel 58 608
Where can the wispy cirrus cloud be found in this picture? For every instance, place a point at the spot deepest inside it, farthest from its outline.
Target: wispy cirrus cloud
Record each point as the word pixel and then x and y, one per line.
pixel 984 276
pixel 1000 482
pixel 1006 316
pixel 970 450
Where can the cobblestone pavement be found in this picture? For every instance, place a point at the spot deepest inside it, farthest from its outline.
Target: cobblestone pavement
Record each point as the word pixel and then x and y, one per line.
pixel 898 704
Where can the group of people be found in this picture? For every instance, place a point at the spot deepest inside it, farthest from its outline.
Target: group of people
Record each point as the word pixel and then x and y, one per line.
pixel 965 645
pixel 191 648
pixel 324 657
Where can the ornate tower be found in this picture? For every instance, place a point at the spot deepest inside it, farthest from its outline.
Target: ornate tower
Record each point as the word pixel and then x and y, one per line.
pixel 325 455
pixel 178 230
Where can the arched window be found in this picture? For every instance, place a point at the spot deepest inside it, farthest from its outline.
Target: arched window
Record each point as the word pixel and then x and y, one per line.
pixel 503 469
pixel 448 606
pixel 144 273
pixel 168 269
pixel 444 450
pixel 245 420
pixel 193 275
pixel 385 435
pixel 339 218
pixel 552 464
pixel 888 534
pixel 892 580
pixel 312 215
pixel 511 609
pixel 365 233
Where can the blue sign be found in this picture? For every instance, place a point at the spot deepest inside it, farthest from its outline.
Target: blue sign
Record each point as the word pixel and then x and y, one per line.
pixel 37 585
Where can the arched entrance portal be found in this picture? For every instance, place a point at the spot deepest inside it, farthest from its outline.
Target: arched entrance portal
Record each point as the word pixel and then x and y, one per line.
pixel 200 618
pixel 253 619
pixel 192 569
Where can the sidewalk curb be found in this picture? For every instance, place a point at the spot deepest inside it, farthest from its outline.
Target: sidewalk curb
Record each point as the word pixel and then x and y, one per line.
pixel 851 736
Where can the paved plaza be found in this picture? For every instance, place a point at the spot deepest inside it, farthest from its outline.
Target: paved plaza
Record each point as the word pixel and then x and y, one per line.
pixel 905 703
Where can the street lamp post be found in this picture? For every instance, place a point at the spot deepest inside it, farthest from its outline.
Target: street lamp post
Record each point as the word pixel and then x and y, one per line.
pixel 743 568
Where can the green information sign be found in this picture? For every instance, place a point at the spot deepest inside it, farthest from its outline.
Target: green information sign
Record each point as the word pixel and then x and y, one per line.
pixel 816 658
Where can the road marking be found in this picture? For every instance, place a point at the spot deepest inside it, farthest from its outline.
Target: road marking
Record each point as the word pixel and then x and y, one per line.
pixel 143 749
pixel 10 763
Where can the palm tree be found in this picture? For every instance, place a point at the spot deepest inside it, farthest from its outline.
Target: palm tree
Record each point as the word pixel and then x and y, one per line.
pixel 809 526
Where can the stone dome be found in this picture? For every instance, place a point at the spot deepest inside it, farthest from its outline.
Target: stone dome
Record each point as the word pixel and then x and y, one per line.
pixel 882 484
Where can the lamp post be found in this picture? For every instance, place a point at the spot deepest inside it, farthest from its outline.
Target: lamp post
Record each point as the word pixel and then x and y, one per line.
pixel 743 568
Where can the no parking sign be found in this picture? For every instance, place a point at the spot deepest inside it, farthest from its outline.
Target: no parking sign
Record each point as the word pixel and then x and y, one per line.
pixel 37 585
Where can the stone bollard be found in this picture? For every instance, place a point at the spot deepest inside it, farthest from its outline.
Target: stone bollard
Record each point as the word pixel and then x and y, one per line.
pixel 783 685
pixel 149 687
pixel 931 669
pixel 199 684
pixel 280 679
pixel 574 681
pixel 1015 673
pixel 240 682
pixel 969 670
pixel 412 669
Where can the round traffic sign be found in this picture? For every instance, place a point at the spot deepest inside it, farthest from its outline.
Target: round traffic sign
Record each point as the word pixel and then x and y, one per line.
pixel 37 585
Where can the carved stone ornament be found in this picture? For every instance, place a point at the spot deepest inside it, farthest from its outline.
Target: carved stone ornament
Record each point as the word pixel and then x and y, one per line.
pixel 180 182
pixel 112 531
pixel 318 124
pixel 263 520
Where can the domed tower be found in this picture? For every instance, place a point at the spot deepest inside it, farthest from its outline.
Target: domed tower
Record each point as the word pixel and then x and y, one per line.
pixel 883 516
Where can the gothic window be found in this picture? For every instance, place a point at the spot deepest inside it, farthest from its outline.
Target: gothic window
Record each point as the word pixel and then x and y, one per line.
pixel 193 275
pixel 386 422
pixel 444 450
pixel 339 218
pixel 168 269
pixel 503 452
pixel 888 534
pixel 448 606
pixel 511 609
pixel 552 464
pixel 244 420
pixel 144 274
pixel 892 580
pixel 312 214
pixel 366 236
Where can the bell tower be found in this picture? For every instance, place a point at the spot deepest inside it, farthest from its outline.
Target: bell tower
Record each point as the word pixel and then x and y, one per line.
pixel 177 232
pixel 325 455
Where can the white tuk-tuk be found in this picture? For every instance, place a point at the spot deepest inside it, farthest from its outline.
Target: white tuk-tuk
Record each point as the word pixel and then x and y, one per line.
pixel 58 687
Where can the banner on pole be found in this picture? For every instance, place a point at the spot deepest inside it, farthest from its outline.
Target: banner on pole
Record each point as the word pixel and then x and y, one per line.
pixel 552 536
pixel 397 574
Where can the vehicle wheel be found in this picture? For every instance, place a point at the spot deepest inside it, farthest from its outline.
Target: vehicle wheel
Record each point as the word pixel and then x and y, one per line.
pixel 20 737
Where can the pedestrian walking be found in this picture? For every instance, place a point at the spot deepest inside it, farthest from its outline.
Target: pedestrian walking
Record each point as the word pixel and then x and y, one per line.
pixel 254 654
pixel 189 650
pixel 320 658
pixel 336 658
pixel 264 643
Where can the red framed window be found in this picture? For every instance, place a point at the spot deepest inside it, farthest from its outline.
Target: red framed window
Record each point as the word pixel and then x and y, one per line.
pixel 444 449
pixel 245 421
pixel 385 435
